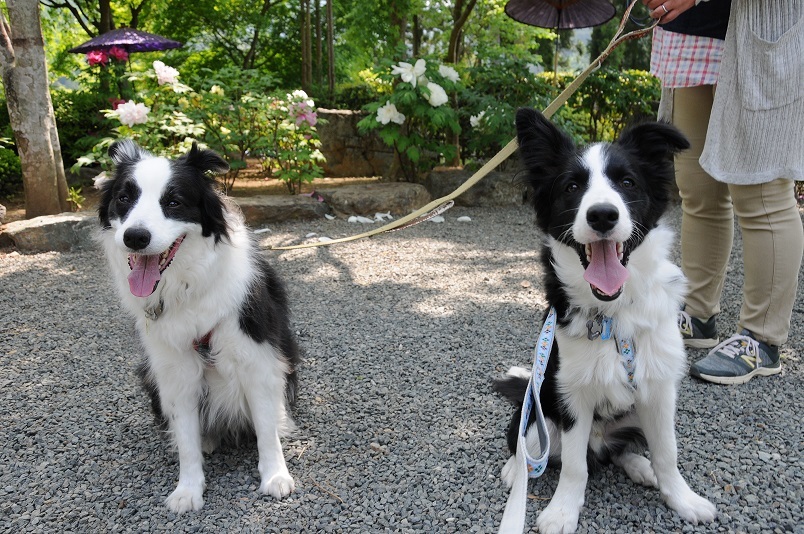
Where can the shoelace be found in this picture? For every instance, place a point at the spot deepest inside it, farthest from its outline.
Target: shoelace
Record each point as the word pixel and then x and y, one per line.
pixel 737 344
pixel 685 323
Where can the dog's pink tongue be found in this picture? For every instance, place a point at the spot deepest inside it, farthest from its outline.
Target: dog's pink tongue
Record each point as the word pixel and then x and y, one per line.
pixel 605 271
pixel 144 274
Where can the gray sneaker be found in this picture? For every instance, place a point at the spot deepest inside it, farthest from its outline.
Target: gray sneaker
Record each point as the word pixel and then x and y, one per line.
pixel 696 333
pixel 737 360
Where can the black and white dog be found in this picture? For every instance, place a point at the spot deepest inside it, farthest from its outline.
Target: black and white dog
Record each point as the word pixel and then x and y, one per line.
pixel 605 255
pixel 211 313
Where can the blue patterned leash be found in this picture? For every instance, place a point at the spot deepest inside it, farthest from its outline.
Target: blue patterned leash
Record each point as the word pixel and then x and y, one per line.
pixel 526 466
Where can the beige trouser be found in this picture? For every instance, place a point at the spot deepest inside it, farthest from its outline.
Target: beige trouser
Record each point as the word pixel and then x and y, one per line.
pixel 772 233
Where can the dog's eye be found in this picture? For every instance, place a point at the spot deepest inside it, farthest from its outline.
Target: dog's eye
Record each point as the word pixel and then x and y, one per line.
pixel 173 204
pixel 627 183
pixel 123 199
pixel 572 187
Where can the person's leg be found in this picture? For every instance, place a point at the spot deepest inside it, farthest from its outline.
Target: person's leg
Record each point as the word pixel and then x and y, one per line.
pixel 707 223
pixel 773 244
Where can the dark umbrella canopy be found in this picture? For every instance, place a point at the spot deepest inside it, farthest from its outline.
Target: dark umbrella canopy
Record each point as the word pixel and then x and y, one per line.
pixel 560 14
pixel 128 39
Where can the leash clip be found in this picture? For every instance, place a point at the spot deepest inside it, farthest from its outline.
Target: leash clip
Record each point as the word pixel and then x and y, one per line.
pixel 599 327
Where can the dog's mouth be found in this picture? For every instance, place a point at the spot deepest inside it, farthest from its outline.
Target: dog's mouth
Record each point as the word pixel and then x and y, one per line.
pixel 604 262
pixel 147 269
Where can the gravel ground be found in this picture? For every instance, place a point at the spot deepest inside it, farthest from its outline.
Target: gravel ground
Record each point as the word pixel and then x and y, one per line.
pixel 398 429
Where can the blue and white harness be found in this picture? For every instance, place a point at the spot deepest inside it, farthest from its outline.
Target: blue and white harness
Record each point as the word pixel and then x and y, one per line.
pixel 526 467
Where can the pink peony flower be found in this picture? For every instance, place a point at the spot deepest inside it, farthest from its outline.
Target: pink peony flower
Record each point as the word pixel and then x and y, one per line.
pixel 304 113
pixel 97 57
pixel 119 54
pixel 115 102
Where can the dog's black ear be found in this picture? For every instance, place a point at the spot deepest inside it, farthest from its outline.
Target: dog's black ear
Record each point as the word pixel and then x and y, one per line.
pixel 656 141
pixel 213 214
pixel 206 161
pixel 544 148
pixel 125 151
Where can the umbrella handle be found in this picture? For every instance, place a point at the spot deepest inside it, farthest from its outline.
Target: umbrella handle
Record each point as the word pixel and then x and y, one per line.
pixel 422 214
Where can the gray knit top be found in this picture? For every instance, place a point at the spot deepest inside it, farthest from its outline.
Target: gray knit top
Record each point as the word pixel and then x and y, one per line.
pixel 756 129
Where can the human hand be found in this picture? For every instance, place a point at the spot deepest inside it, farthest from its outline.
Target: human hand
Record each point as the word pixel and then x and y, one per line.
pixel 667 10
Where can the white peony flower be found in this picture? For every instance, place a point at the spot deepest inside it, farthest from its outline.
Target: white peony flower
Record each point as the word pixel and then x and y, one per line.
pixel 389 113
pixel 449 73
pixel 437 95
pixel 410 73
pixel 300 96
pixel 132 113
pixel 165 74
pixel 475 120
pixel 216 90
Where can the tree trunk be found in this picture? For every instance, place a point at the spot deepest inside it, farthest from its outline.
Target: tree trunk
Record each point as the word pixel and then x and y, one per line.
pixel 318 70
pixel 417 36
pixel 399 21
pixel 460 14
pixel 30 109
pixel 306 45
pixel 330 51
pixel 106 23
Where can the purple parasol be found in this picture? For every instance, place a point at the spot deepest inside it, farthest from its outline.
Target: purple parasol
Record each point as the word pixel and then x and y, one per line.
pixel 560 14
pixel 128 39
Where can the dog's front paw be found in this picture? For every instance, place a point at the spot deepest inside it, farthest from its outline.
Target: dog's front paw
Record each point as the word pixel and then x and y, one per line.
pixel 692 507
pixel 557 520
pixel 185 498
pixel 278 485
pixel 508 473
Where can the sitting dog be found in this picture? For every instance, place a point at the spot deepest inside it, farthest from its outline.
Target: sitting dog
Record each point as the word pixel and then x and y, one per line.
pixel 606 266
pixel 211 313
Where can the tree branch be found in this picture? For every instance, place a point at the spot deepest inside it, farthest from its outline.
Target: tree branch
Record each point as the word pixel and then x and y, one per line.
pixel 78 12
pixel 6 49
pixel 135 13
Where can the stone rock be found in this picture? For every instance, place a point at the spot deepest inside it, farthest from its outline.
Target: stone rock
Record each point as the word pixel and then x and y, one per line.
pixel 495 189
pixel 62 232
pixel 348 153
pixel 400 198
pixel 264 209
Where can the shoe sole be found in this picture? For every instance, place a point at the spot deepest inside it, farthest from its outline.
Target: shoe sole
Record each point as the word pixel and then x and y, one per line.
pixel 735 380
pixel 701 343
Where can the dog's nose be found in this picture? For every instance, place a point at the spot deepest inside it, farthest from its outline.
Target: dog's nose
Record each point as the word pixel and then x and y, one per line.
pixel 602 217
pixel 136 238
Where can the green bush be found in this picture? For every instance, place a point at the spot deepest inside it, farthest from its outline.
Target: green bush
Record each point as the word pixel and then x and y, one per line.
pixel 416 117
pixel 602 106
pixel 10 173
pixel 351 96
pixel 80 121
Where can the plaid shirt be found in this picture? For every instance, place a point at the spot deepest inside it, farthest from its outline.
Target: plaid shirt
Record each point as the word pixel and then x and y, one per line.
pixel 680 60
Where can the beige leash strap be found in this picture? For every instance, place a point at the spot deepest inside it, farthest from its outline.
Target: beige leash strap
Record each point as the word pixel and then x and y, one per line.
pixel 442 204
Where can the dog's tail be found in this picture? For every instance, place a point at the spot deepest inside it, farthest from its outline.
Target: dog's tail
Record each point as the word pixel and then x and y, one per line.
pixel 513 385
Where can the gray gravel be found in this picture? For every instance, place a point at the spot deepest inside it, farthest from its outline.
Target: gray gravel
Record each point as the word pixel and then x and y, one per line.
pixel 398 428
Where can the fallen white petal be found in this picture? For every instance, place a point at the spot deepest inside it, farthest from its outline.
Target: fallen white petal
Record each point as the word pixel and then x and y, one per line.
pixel 323 239
pixel 352 219
pixel 464 219
pixel 311 234
pixel 437 219
pixel 329 217
pixel 262 230
pixel 364 220
pixel 383 216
